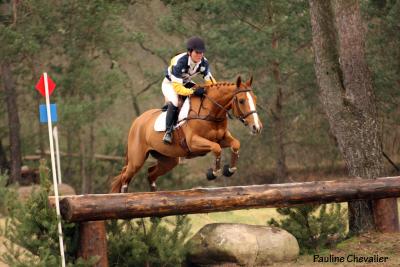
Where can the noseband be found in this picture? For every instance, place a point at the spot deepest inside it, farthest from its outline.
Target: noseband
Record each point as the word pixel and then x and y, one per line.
pixel 242 116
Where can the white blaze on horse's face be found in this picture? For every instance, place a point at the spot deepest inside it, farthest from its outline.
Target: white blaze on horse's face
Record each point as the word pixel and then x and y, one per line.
pixel 256 125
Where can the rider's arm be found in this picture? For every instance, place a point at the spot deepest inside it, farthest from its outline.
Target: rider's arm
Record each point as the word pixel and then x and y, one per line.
pixel 208 78
pixel 180 89
pixel 178 63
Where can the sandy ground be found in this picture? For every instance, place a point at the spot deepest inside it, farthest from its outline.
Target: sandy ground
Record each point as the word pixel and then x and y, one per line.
pixel 2 249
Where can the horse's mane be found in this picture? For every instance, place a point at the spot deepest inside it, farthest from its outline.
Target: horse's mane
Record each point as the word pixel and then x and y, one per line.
pixel 218 84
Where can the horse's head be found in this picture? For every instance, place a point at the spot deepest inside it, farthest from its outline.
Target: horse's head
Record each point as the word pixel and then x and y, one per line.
pixel 244 106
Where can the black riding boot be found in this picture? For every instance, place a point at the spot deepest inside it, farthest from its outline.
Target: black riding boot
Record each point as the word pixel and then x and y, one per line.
pixel 170 120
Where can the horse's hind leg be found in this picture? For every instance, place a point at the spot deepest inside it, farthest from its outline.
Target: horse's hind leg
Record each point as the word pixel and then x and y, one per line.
pixel 164 164
pixel 121 182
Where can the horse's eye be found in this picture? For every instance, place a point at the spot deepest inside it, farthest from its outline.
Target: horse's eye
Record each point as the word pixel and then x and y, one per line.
pixel 242 101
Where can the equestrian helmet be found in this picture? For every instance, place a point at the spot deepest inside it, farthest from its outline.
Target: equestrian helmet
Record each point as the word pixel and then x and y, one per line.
pixel 196 43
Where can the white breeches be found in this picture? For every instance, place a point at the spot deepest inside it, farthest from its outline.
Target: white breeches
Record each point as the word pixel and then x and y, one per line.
pixel 169 92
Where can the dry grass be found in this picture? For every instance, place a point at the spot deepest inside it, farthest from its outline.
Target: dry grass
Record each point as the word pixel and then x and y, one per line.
pixel 2 249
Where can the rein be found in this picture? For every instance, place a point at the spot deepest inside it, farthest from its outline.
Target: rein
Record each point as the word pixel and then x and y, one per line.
pixel 241 117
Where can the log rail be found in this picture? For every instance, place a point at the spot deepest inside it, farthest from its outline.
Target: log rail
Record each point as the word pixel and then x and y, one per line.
pixel 204 200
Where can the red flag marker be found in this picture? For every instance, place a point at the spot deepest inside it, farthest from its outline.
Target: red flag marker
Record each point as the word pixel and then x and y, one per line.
pixel 40 85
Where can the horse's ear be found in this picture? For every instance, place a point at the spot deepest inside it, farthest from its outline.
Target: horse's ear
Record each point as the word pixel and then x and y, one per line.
pixel 249 82
pixel 238 81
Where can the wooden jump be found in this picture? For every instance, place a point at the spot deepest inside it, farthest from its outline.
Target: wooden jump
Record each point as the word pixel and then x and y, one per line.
pixel 90 210
pixel 204 200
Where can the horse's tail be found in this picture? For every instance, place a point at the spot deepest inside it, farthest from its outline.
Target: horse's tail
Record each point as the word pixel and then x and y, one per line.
pixel 116 184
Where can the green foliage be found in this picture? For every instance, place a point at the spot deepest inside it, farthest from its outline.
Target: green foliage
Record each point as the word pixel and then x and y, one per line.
pixel 272 41
pixel 103 53
pixel 74 42
pixel 32 239
pixel 383 51
pixel 31 232
pixel 7 196
pixel 311 231
pixel 158 242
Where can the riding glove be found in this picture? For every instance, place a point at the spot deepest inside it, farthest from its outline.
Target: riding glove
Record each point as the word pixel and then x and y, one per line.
pixel 199 91
pixel 189 84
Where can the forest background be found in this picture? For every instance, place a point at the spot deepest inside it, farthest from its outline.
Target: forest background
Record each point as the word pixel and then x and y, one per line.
pixel 108 60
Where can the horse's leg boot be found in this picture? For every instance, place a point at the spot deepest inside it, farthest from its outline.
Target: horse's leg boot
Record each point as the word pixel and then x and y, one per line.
pixel 171 115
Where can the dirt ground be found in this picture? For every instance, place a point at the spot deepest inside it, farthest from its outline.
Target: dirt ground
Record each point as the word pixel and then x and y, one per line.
pixel 386 246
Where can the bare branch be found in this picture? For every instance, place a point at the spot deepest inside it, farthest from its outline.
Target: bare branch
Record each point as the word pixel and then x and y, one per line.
pixel 152 52
pixel 241 18
pixel 148 86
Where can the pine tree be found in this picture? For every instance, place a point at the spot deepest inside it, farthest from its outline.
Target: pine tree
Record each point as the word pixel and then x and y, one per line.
pixel 158 242
pixel 311 231
pixel 270 40
pixel 31 231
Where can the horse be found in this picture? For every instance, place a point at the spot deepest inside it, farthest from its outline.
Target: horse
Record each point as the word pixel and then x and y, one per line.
pixel 205 130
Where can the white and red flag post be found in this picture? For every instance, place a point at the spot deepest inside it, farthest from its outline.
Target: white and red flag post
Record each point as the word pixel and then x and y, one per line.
pixel 46 87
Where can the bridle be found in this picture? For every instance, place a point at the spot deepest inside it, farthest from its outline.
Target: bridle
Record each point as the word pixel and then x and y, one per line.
pixel 242 115
pixel 235 101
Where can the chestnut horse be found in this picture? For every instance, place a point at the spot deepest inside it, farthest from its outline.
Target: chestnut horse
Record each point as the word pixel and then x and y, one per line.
pixel 205 130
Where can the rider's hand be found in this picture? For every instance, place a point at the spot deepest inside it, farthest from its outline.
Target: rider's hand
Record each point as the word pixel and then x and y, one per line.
pixel 190 85
pixel 200 91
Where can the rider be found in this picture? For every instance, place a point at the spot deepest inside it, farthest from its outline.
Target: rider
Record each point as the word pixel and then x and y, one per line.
pixel 178 79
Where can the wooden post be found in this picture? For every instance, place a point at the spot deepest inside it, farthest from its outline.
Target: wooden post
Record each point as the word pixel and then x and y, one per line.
pixel 204 200
pixel 93 242
pixel 383 209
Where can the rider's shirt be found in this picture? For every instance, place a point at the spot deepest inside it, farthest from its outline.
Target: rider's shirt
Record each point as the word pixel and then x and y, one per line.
pixel 181 71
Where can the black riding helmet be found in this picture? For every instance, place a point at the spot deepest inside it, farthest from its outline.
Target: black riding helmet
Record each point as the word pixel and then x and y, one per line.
pixel 196 43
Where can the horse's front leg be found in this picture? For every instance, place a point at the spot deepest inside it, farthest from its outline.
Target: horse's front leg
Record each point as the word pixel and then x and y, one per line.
pixel 234 144
pixel 200 144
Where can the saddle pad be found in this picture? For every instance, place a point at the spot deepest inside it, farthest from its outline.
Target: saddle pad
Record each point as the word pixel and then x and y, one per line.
pixel 160 123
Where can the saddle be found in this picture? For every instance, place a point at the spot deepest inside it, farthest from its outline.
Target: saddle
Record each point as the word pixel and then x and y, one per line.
pixel 183 110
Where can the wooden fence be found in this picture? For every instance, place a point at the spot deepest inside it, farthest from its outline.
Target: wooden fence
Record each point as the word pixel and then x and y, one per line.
pixel 87 209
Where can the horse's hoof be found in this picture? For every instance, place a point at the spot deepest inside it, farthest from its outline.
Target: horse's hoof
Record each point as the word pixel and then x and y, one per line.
pixel 210 175
pixel 228 172
pixel 124 189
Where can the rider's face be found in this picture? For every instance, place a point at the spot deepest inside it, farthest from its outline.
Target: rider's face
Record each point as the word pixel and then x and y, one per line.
pixel 196 56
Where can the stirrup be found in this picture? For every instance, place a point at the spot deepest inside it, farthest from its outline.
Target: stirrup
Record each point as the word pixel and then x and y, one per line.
pixel 167 138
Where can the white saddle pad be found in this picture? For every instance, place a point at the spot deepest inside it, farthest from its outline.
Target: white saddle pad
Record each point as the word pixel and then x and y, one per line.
pixel 160 123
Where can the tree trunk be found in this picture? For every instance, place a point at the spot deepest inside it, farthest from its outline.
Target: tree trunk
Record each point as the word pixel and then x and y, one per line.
pixel 347 96
pixel 13 121
pixel 91 170
pixel 279 122
pixel 41 132
pixel 83 166
pixel 3 159
pixel 68 161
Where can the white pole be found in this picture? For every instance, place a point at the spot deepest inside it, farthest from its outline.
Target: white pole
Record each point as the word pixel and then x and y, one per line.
pixel 55 135
pixel 53 169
